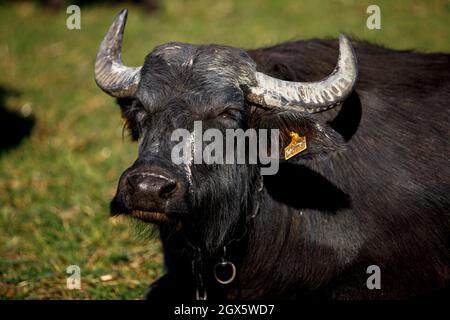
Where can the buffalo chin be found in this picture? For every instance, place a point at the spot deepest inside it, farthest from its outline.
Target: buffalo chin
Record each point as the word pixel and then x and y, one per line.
pixel 151 217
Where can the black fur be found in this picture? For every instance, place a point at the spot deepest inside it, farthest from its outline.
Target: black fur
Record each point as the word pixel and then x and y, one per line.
pixel 373 190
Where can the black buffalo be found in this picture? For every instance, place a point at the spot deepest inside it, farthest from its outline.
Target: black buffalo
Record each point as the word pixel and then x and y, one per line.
pixel 372 187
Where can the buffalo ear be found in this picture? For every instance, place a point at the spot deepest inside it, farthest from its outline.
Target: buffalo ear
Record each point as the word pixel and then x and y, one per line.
pixel 321 139
pixel 128 107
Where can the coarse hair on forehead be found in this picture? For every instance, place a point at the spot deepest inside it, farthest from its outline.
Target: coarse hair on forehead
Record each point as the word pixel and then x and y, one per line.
pixel 179 70
pixel 215 53
pixel 214 60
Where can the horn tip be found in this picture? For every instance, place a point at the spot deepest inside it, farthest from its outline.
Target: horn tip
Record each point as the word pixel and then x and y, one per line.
pixel 122 16
pixel 123 12
pixel 343 38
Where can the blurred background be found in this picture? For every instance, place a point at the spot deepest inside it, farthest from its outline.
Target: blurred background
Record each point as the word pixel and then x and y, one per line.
pixel 61 144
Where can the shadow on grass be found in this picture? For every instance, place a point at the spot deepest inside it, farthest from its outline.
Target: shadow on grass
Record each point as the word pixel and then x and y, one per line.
pixel 14 127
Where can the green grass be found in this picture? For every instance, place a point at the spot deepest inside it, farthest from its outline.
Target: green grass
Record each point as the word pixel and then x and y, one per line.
pixel 55 186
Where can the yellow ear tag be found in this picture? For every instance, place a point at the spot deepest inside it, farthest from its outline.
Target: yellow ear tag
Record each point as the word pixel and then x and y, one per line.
pixel 297 145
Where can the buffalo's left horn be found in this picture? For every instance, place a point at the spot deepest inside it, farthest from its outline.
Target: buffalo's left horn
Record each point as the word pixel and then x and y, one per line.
pixel 310 97
pixel 110 74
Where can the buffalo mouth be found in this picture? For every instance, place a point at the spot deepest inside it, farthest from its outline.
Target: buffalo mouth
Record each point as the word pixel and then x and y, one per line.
pixel 151 216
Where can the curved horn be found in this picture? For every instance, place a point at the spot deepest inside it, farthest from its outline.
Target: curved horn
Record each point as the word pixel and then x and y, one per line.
pixel 110 74
pixel 310 97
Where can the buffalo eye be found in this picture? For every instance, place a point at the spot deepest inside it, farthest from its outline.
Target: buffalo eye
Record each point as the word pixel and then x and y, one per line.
pixel 230 113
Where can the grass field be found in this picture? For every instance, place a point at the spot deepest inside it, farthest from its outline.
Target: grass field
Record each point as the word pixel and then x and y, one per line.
pixel 55 186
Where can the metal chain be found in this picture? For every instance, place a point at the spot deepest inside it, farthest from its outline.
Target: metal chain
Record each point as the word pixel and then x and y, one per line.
pixel 197 261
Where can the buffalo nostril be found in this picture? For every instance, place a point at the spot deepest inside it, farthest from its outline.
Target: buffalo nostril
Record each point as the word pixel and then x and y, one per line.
pixel 167 189
pixel 133 182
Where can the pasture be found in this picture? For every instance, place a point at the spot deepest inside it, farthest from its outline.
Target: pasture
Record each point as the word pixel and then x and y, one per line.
pixel 56 183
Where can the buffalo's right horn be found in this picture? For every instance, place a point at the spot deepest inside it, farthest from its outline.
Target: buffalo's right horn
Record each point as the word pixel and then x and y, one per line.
pixel 110 74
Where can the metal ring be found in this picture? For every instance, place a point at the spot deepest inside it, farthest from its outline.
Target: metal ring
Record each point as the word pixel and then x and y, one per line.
pixel 261 186
pixel 224 264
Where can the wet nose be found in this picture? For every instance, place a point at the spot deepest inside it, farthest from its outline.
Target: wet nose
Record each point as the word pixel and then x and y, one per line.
pixel 151 186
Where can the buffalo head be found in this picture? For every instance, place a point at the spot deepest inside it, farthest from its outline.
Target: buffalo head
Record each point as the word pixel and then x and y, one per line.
pixel 181 83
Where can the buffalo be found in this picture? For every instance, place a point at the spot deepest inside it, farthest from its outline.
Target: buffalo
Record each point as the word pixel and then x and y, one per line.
pixel 361 213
